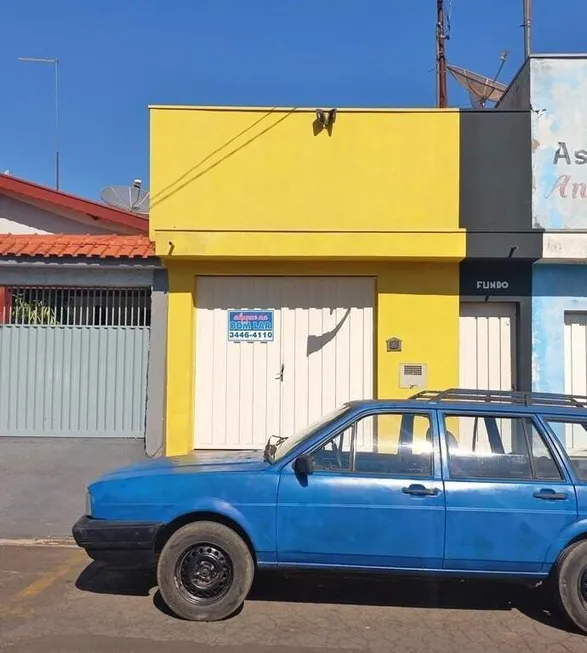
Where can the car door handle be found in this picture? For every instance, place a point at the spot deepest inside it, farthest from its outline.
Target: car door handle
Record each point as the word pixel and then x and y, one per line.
pixel 420 491
pixel 550 495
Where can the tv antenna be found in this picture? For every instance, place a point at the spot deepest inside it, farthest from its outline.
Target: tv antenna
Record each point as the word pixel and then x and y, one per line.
pixel 127 198
pixel 527 6
pixel 481 89
pixel 442 35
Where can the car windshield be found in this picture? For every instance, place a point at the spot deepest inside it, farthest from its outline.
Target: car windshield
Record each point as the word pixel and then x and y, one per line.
pixel 289 444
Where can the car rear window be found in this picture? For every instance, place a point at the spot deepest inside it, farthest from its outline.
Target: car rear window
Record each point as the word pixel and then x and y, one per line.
pixel 572 434
pixel 497 447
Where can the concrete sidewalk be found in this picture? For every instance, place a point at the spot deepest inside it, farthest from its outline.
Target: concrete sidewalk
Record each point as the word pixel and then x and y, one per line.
pixel 43 480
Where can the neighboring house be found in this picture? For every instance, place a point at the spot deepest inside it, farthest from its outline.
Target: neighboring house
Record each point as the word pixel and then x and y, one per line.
pixel 552 89
pixel 82 318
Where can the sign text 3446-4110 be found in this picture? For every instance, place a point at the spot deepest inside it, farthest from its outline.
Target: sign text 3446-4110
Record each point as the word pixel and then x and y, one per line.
pixel 250 326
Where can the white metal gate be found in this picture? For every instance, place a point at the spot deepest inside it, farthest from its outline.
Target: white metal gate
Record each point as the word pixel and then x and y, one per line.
pixel 575 370
pixel 487 346
pixel 321 355
pixel 73 362
pixel 487 355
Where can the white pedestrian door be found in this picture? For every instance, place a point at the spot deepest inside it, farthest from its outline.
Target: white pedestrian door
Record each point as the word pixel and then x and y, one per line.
pixel 487 346
pixel 487 353
pixel 575 371
pixel 319 356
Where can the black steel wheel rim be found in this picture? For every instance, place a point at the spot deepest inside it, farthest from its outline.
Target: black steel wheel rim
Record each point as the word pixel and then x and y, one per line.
pixel 583 586
pixel 204 574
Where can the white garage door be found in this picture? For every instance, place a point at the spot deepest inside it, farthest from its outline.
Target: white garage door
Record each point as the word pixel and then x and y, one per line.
pixel 576 370
pixel 318 356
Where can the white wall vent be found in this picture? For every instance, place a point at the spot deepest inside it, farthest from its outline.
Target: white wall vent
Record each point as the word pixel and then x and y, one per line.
pixel 412 375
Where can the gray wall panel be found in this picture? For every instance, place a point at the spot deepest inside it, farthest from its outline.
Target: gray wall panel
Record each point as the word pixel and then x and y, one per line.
pixel 77 381
pixel 496 184
pixel 157 374
pixel 504 244
pixel 517 95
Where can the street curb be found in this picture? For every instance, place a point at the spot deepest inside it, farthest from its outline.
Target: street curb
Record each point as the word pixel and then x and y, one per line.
pixel 66 542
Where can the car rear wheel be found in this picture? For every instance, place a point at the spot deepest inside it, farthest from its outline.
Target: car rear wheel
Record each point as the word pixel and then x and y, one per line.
pixel 571 583
pixel 205 572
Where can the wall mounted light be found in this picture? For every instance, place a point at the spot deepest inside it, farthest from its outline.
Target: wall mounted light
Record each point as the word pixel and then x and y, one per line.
pixel 324 120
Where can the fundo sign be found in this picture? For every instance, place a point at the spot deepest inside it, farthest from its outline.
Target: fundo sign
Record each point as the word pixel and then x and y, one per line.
pixel 492 285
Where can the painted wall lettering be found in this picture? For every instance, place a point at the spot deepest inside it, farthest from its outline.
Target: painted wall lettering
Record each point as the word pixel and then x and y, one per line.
pixel 492 285
pixel 495 278
pixel 564 186
pixel 559 137
pixel 562 152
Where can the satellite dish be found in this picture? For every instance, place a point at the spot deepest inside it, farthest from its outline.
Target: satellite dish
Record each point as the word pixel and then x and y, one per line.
pixel 127 198
pixel 481 89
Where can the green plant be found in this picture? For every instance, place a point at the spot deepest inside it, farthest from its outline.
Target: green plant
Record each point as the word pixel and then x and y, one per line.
pixel 32 312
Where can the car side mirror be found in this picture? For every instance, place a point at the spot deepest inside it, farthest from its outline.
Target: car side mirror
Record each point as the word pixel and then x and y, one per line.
pixel 303 465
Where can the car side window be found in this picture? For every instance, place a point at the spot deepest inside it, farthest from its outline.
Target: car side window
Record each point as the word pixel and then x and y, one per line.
pixel 572 434
pixel 390 444
pixel 497 447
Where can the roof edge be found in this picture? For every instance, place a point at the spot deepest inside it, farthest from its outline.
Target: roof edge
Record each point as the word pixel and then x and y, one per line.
pixel 196 107
pixel 85 246
pixel 558 55
pixel 68 201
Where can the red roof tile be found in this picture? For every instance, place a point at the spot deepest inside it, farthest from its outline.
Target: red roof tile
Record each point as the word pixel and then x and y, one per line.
pixel 47 245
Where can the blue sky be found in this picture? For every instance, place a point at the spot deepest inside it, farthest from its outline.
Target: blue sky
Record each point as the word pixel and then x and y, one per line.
pixel 119 56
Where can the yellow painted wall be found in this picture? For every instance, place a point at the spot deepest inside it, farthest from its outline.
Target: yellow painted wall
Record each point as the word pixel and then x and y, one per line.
pixel 418 303
pixel 299 246
pixel 180 360
pixel 216 173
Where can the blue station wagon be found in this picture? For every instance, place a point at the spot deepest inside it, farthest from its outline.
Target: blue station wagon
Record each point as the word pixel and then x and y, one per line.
pixel 461 483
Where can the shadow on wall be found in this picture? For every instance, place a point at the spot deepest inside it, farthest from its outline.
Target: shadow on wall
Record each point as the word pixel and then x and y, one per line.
pixel 315 343
pixel 400 280
pixel 556 280
pixel 197 171
pixel 226 301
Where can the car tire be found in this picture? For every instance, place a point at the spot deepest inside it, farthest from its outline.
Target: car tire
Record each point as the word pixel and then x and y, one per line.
pixel 570 582
pixel 205 572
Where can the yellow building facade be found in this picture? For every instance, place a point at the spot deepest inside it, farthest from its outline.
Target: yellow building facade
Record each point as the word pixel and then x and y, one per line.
pixel 345 237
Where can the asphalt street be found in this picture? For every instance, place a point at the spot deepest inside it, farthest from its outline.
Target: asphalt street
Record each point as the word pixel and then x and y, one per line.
pixel 52 599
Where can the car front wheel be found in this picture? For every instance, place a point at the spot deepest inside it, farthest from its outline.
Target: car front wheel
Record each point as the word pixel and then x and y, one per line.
pixel 205 572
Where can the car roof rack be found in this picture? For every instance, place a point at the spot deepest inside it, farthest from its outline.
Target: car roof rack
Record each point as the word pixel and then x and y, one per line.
pixel 503 397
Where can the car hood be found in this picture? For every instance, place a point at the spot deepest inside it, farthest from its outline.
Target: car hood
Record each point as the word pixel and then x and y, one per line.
pixel 200 461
